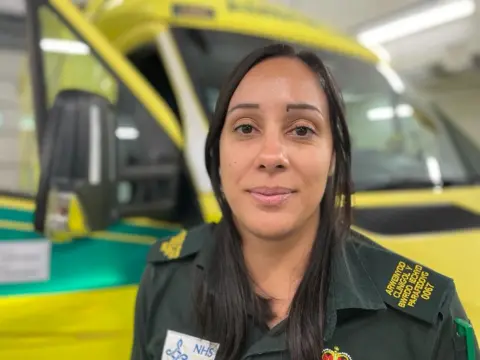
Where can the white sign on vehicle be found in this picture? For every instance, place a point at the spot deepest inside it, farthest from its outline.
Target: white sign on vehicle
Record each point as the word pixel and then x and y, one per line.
pixel 24 261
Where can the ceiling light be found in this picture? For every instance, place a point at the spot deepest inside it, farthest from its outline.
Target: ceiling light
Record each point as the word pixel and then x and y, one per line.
pixel 62 46
pixel 126 133
pixel 417 22
pixel 387 113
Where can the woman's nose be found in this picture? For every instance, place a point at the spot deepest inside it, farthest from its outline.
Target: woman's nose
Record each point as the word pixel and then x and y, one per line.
pixel 272 155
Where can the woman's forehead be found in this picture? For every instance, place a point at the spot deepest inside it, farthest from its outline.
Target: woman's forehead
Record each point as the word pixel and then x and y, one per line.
pixel 279 80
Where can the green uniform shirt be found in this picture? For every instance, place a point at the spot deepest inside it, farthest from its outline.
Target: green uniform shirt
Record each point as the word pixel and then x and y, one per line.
pixel 380 306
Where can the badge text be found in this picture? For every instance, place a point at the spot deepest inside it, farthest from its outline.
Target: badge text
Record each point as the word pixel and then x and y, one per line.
pixel 408 284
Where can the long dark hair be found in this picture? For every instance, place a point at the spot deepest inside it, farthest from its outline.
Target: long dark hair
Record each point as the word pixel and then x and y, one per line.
pixel 225 298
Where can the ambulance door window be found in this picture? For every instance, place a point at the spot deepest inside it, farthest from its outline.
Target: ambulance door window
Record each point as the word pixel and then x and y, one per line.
pixel 142 143
pixel 148 62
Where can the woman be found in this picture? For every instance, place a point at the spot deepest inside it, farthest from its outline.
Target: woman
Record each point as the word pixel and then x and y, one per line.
pixel 282 275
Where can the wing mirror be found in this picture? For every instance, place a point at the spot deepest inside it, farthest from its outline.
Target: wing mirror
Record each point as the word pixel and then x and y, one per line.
pixel 85 186
pixel 77 184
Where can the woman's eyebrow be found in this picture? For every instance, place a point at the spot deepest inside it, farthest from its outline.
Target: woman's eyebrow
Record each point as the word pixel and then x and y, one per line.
pixel 295 106
pixel 303 106
pixel 244 106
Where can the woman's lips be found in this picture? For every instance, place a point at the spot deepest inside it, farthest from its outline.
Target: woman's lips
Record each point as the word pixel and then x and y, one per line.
pixel 271 196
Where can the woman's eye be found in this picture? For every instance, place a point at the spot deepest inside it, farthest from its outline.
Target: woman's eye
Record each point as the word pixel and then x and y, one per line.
pixel 244 129
pixel 302 131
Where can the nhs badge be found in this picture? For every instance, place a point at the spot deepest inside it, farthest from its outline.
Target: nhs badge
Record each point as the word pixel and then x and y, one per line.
pixel 185 347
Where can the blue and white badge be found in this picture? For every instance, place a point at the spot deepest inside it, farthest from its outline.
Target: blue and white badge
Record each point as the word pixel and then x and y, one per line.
pixel 185 347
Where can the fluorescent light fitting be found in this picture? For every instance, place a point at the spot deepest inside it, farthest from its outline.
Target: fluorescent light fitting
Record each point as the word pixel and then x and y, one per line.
pixel 420 21
pixel 126 133
pixel 387 113
pixel 62 46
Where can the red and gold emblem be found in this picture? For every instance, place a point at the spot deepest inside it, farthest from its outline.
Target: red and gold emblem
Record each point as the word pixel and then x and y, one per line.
pixel 335 354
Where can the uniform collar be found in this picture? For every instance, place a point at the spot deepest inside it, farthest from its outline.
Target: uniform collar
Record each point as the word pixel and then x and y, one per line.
pixel 351 286
pixel 207 238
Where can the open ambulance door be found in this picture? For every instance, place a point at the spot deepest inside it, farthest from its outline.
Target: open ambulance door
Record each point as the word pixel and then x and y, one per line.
pixel 111 163
pixel 110 147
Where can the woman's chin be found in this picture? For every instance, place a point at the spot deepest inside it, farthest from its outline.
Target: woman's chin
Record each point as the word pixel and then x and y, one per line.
pixel 270 226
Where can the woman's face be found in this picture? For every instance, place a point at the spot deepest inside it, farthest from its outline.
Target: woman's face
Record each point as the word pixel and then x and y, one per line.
pixel 276 148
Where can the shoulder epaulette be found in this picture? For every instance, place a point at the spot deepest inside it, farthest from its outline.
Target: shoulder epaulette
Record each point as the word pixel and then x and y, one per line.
pixel 404 284
pixel 180 245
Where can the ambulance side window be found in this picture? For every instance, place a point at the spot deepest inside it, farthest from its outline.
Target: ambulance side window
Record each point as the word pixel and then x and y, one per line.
pixel 132 151
pixel 134 126
pixel 131 148
pixel 148 62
